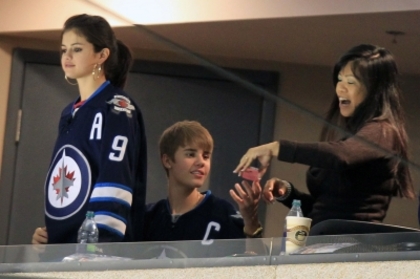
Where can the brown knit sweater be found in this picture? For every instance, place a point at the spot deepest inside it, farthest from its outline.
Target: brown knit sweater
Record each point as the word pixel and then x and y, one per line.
pixel 347 179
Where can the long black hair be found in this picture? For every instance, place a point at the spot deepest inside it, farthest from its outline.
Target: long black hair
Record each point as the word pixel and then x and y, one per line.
pixel 97 31
pixel 376 69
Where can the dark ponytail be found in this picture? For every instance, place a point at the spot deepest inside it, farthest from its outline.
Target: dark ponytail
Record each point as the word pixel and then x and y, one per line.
pixel 117 68
pixel 99 33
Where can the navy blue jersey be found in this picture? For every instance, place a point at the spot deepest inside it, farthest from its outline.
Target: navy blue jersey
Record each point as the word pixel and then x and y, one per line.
pixel 98 164
pixel 213 218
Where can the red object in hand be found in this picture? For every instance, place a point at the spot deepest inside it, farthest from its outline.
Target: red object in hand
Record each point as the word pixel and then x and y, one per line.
pixel 251 174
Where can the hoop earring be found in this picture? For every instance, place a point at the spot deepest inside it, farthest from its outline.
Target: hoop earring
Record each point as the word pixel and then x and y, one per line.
pixel 66 78
pixel 96 72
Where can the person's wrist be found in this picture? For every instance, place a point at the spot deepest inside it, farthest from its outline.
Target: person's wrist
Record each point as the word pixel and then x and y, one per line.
pixel 255 233
pixel 251 224
pixel 275 148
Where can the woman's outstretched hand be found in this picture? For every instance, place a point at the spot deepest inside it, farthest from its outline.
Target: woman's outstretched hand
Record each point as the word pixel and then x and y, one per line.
pixel 263 153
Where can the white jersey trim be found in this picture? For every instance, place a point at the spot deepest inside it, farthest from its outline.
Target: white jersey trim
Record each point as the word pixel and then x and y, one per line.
pixel 112 193
pixel 111 222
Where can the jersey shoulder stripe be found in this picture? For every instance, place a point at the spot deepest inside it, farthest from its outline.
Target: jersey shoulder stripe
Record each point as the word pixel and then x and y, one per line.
pixel 112 193
pixel 109 200
pixel 115 185
pixel 111 222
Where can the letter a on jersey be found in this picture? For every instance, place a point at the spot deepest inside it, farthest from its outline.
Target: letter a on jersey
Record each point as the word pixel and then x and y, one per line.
pixel 96 131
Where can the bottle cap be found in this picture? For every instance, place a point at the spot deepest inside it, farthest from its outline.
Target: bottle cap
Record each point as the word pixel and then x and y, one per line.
pixel 296 203
pixel 90 214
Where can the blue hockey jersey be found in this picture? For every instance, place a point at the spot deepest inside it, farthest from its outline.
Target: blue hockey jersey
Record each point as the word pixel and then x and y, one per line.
pixel 99 164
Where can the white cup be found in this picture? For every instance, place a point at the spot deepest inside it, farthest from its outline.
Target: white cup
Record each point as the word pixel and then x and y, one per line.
pixel 297 233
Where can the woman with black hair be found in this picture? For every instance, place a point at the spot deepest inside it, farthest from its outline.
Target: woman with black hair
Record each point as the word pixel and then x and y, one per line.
pixel 99 159
pixel 352 176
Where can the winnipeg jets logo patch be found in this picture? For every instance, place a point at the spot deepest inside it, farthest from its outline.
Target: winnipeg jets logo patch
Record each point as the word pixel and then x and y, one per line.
pixel 68 183
pixel 63 181
pixel 121 103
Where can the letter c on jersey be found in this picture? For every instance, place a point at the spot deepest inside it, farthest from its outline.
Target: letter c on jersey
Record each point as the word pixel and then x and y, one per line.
pixel 211 225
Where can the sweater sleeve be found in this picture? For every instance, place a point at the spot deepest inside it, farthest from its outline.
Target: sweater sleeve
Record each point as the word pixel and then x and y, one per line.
pixel 374 142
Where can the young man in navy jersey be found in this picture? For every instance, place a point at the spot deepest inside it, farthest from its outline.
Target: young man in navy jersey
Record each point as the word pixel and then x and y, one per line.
pixel 188 214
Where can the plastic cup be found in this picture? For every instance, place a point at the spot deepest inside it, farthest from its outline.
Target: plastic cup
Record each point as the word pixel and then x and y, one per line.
pixel 297 232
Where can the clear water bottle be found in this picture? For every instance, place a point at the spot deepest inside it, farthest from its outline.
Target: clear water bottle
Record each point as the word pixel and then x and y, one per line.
pixel 294 211
pixel 88 234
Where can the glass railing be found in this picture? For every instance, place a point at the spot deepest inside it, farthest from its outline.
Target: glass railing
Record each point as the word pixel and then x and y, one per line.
pixel 221 253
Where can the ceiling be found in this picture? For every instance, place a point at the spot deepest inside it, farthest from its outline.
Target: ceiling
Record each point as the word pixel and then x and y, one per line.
pixel 315 40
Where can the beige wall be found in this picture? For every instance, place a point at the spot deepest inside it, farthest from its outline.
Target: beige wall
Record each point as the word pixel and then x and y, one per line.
pixel 309 87
pixel 24 15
